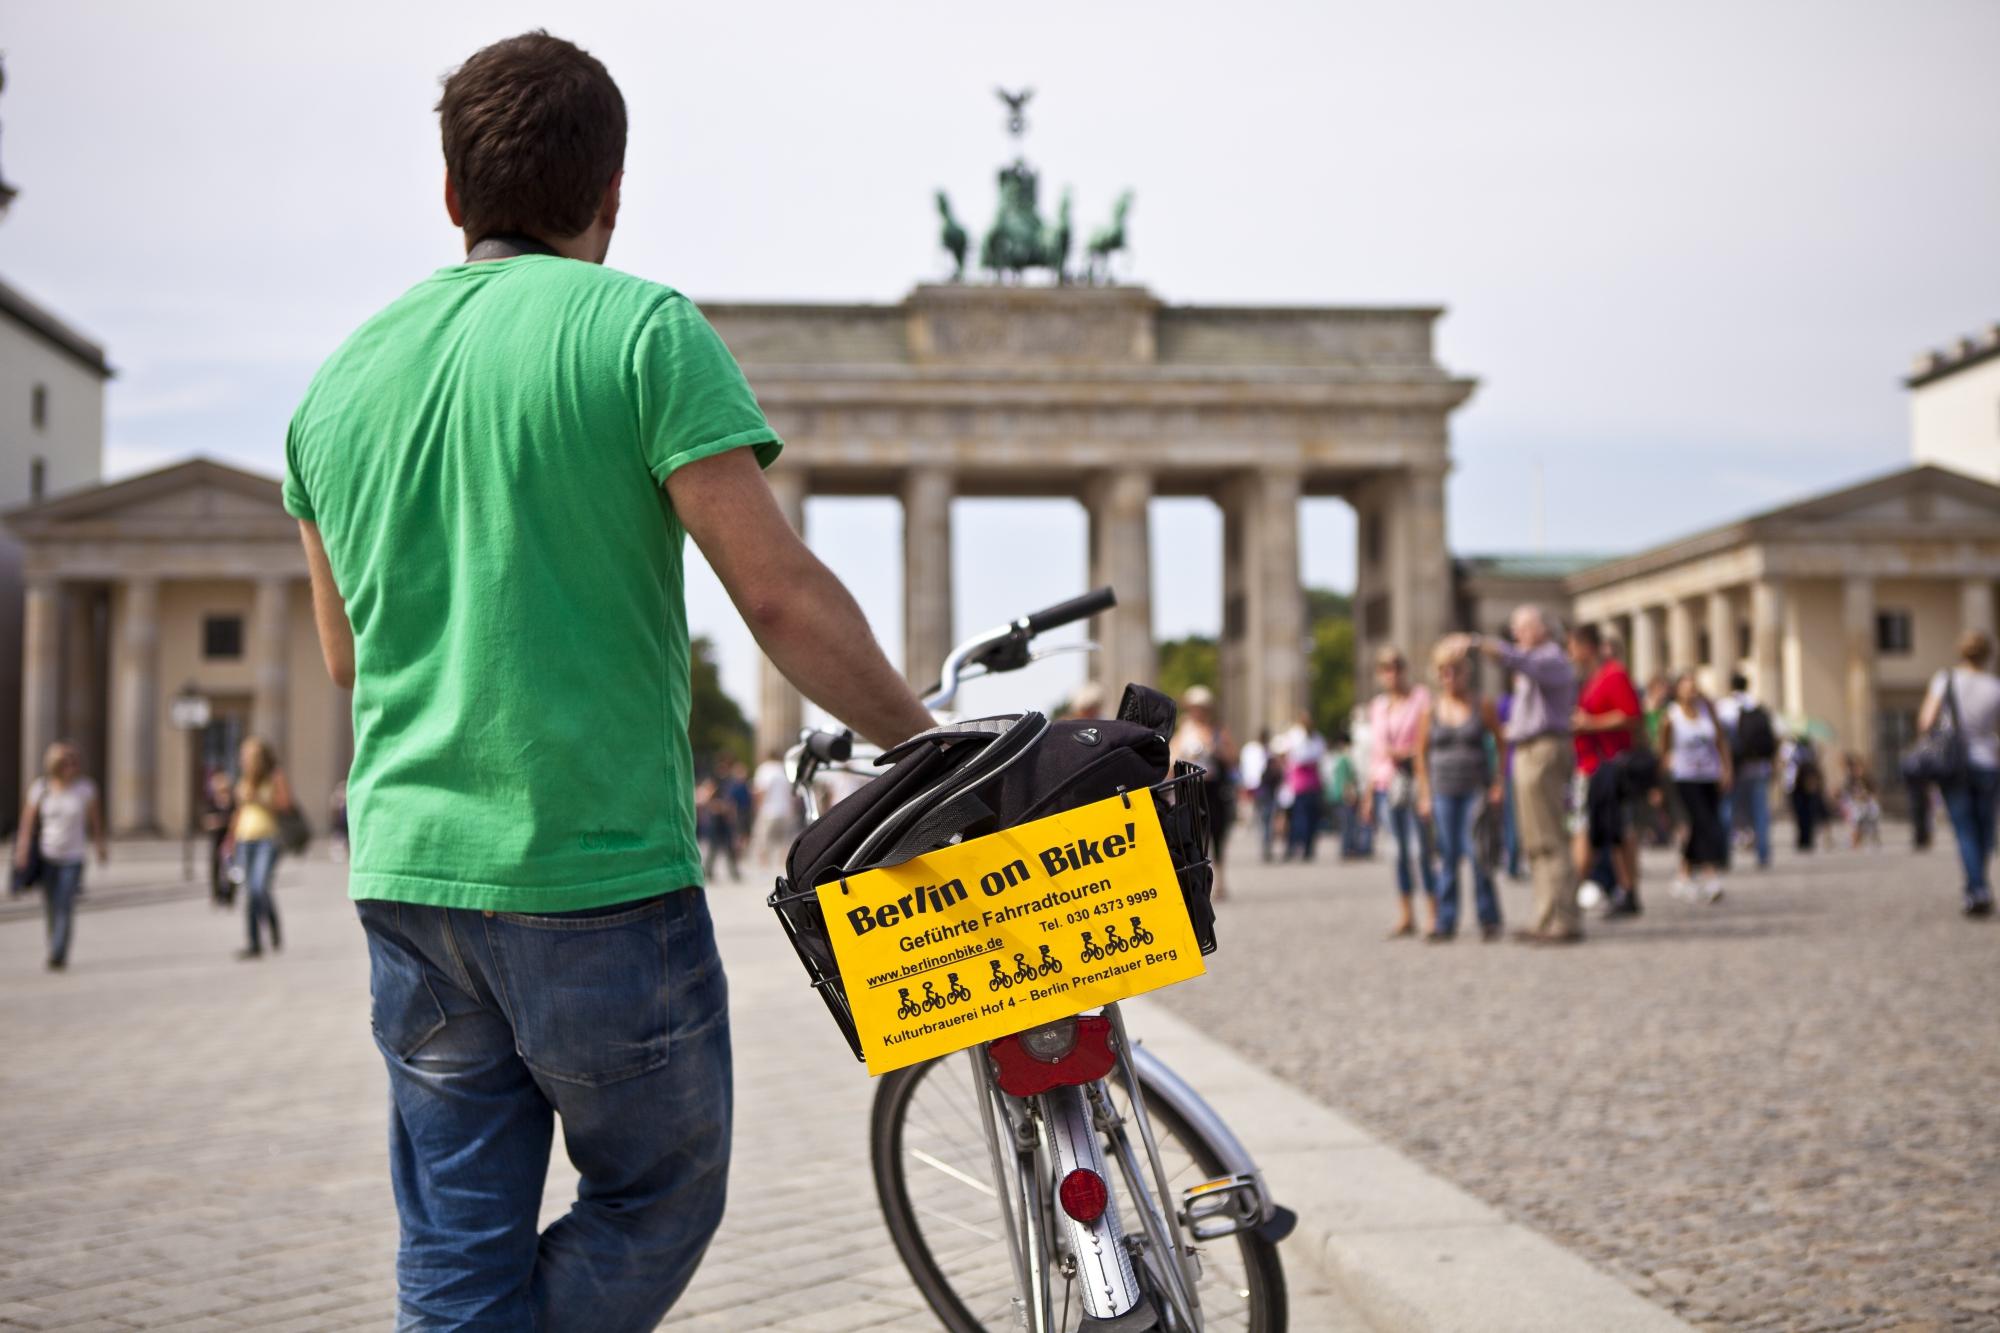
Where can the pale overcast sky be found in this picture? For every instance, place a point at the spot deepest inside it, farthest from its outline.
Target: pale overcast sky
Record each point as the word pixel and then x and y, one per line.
pixel 1688 250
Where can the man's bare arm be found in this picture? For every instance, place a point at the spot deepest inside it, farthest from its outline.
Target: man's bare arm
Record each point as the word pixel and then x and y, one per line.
pixel 804 619
pixel 336 636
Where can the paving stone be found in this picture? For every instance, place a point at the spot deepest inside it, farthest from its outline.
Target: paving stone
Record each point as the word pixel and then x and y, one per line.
pixel 1778 1110
pixel 189 1138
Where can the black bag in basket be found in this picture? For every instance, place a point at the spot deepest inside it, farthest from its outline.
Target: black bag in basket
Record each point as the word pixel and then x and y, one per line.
pixel 967 779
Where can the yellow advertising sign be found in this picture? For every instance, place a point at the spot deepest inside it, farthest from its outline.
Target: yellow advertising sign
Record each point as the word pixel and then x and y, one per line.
pixel 1018 928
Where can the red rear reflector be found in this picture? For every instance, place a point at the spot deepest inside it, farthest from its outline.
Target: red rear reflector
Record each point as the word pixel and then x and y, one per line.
pixel 1083 1195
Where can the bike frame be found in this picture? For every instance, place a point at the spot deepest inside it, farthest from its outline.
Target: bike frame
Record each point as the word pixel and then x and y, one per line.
pixel 1036 1141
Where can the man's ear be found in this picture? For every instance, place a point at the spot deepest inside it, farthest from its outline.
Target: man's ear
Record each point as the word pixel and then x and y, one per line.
pixel 607 208
pixel 451 205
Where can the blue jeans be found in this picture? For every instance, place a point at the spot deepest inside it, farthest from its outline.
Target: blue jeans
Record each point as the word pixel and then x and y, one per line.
pixel 1750 799
pixel 1510 833
pixel 1302 825
pixel 1971 806
pixel 1413 843
pixel 493 1024
pixel 1454 816
pixel 60 882
pixel 259 859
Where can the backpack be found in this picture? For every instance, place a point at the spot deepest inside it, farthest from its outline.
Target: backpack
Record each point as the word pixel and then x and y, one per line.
pixel 1756 738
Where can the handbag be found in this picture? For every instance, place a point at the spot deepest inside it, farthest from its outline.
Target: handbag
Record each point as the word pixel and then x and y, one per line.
pixel 1939 755
pixel 31 875
pixel 294 833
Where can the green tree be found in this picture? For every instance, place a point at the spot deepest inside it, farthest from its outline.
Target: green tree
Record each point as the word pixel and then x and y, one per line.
pixel 1185 663
pixel 1330 664
pixel 716 726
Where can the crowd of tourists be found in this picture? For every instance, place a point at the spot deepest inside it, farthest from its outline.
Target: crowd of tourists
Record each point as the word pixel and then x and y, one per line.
pixel 1563 776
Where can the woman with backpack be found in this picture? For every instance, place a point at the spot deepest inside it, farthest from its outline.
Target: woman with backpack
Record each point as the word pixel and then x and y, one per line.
pixel 263 797
pixel 1698 761
pixel 59 821
pixel 1966 698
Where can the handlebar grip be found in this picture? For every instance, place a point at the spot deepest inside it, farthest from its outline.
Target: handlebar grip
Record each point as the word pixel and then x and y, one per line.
pixel 1076 608
pixel 830 747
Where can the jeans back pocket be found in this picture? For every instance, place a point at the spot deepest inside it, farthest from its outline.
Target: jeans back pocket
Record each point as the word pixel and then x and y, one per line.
pixel 587 993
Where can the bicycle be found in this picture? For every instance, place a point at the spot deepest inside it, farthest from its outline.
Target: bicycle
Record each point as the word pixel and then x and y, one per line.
pixel 1125 1190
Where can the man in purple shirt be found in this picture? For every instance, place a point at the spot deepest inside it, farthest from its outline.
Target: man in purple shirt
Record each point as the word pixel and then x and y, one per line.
pixel 1538 740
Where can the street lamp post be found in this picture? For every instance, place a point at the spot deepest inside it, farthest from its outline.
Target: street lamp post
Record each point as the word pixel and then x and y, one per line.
pixel 190 713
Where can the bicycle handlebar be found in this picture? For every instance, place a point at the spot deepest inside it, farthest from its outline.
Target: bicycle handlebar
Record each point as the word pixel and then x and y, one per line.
pixel 830 747
pixel 1075 609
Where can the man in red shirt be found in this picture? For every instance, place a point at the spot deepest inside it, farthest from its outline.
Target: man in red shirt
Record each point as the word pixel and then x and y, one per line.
pixel 1607 722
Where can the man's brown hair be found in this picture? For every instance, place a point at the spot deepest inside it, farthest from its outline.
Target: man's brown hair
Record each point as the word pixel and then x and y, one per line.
pixel 534 130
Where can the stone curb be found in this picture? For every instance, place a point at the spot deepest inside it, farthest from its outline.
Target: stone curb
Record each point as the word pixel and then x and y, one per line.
pixel 1406 1248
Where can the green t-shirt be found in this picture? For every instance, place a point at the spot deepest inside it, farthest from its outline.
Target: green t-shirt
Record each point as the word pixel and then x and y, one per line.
pixel 484 460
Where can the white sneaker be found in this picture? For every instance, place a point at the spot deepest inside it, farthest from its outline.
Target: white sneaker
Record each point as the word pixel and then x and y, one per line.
pixel 1711 889
pixel 1589 897
pixel 1683 889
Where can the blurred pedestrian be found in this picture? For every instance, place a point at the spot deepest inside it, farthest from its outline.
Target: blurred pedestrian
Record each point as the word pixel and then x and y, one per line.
pixel 1544 700
pixel 1860 806
pixel 1395 716
pixel 1510 823
pixel 1301 748
pixel 1261 776
pixel 716 822
pixel 263 796
pixel 336 822
pixel 60 821
pixel 1344 796
pixel 1967 698
pixel 777 809
pixel 1753 746
pixel 219 801
pixel 1200 740
pixel 1805 784
pixel 1607 720
pixel 1458 781
pixel 1697 751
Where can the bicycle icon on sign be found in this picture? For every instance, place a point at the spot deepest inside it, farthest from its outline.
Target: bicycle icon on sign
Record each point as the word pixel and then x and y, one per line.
pixel 999 980
pixel 959 992
pixel 909 1008
pixel 932 1000
pixel 1025 971
pixel 1092 950
pixel 1048 965
pixel 1140 936
pixel 1113 942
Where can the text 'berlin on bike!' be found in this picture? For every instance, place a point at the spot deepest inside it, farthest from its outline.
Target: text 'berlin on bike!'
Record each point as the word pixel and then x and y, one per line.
pixel 1015 929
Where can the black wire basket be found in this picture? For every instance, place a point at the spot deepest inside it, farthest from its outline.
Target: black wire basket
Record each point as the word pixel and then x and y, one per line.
pixel 1182 803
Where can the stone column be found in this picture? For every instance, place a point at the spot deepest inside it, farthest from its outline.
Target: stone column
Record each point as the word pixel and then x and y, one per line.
pixel 135 722
pixel 1975 599
pixel 1645 646
pixel 41 669
pixel 1857 622
pixel 270 623
pixel 1767 643
pixel 1121 555
pixel 1420 564
pixel 1264 629
pixel 1681 643
pixel 926 573
pixel 780 710
pixel 1721 641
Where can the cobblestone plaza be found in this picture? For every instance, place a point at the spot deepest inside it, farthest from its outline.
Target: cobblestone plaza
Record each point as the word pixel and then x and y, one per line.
pixel 1777 1113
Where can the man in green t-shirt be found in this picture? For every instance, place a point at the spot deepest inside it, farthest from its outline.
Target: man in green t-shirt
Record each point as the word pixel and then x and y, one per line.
pixel 494 478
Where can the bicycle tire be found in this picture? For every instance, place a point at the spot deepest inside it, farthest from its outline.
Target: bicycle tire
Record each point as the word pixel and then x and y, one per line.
pixel 1263 1269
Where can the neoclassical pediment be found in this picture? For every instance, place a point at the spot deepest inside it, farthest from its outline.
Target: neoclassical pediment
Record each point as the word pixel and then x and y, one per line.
pixel 198 498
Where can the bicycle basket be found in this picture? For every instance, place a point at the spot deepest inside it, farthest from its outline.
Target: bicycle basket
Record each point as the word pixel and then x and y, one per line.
pixel 1183 809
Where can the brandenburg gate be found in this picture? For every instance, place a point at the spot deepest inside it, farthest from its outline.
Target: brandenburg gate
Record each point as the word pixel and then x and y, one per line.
pixel 1105 394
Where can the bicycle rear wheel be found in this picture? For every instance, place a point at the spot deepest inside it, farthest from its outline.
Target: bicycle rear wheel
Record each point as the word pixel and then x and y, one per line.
pixel 934 1177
